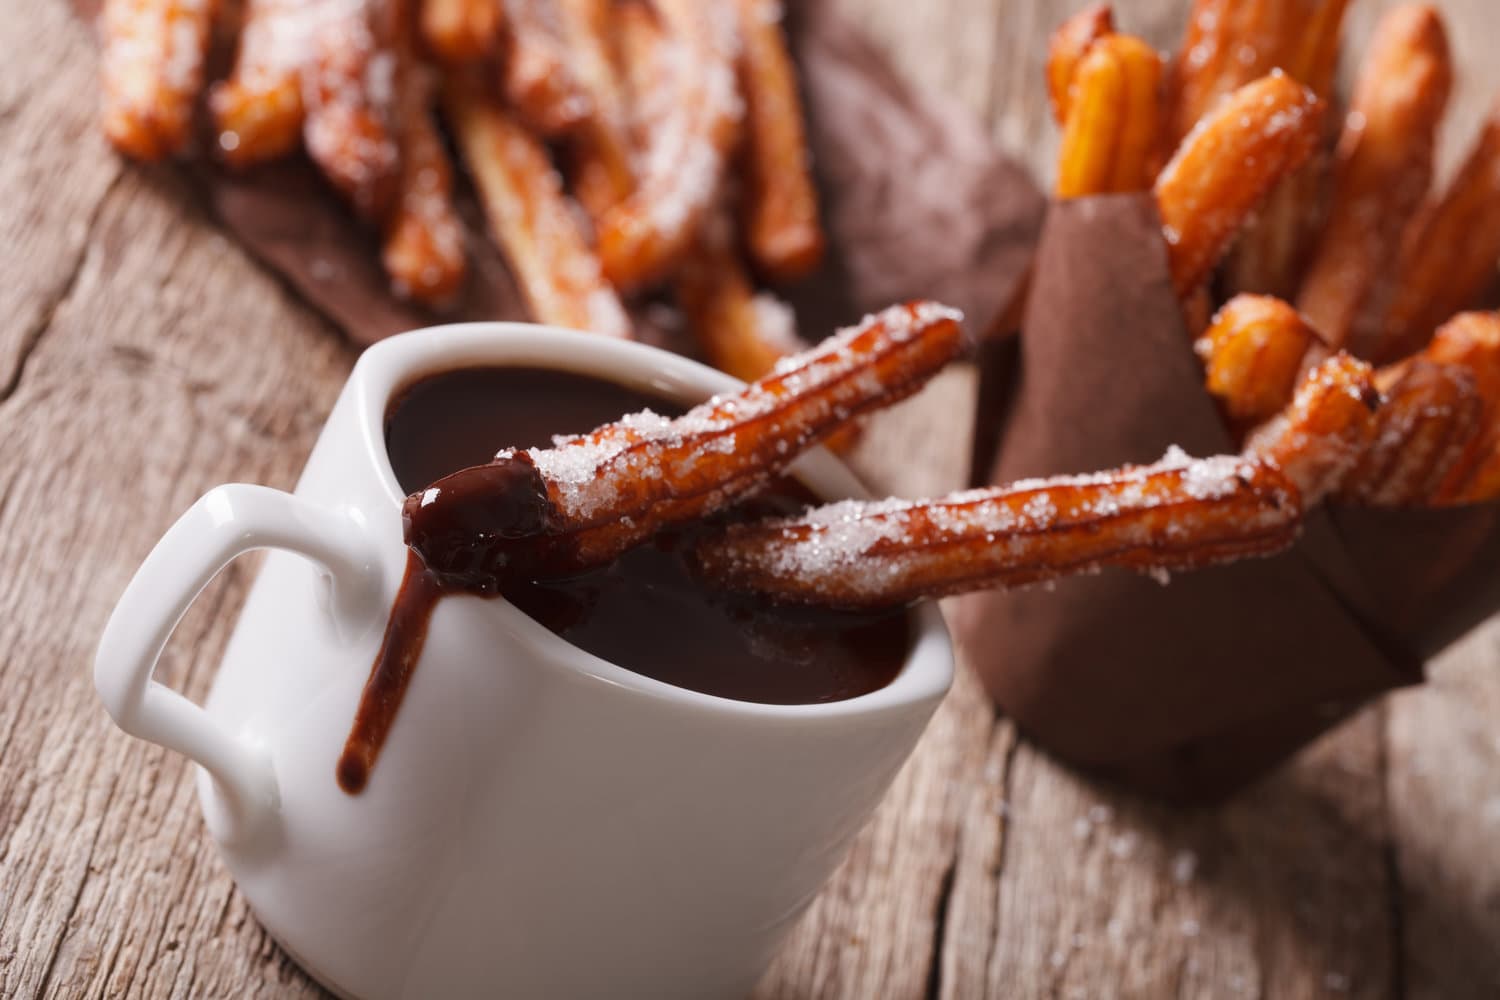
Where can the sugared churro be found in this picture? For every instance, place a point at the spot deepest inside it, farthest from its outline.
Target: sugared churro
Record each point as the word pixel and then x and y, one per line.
pixel 1321 437
pixel 531 219
pixel 1110 136
pixel 1252 353
pixel 1228 44
pixel 1449 253
pixel 1256 137
pixel 1271 254
pixel 556 511
pixel 349 92
pixel 258 110
pixel 537 76
pixel 1430 415
pixel 602 168
pixel 1472 341
pixel 1069 44
pixel 151 69
pixel 423 251
pixel 459 32
pixel 688 110
pixel 1178 514
pixel 782 232
pixel 641 54
pixel 1383 173
pixel 1314 52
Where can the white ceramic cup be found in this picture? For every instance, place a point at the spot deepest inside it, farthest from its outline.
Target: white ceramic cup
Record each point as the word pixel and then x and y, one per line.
pixel 540 822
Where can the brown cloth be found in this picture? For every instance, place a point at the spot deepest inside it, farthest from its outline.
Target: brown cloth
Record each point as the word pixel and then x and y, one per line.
pixel 917 200
pixel 1192 689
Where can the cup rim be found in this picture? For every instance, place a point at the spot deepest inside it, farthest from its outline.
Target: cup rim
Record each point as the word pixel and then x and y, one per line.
pixel 394 363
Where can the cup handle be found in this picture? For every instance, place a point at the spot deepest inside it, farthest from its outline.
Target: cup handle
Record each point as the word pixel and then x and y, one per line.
pixel 226 522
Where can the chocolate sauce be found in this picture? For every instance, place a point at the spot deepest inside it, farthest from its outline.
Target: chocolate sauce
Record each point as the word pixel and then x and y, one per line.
pixel 400 648
pixel 481 528
pixel 645 612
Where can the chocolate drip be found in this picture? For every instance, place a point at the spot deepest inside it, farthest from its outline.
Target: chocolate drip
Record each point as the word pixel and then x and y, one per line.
pixel 405 634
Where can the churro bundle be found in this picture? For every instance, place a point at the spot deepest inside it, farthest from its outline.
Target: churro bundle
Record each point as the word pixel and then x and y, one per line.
pixel 628 167
pixel 1283 285
pixel 651 99
pixel 1387 263
pixel 1193 689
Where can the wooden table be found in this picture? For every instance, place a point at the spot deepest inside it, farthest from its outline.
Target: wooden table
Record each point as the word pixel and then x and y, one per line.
pixel 145 358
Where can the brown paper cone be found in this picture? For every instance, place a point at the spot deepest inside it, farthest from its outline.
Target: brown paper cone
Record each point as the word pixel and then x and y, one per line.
pixel 1192 689
pixel 998 362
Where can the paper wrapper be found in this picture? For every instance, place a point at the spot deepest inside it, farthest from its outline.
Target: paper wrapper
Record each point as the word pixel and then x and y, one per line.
pixel 917 201
pixel 1192 689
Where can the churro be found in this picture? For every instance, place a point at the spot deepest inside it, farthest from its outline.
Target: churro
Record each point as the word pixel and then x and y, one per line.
pixel 1252 353
pixel 1110 135
pixel 423 252
pixel 780 218
pixel 531 219
pixel 688 109
pixel 1069 44
pixel 1256 137
pixel 741 331
pixel 1383 172
pixel 537 75
pixel 1178 514
pixel 1320 438
pixel 556 511
pixel 1450 252
pixel 1430 415
pixel 151 69
pixel 349 91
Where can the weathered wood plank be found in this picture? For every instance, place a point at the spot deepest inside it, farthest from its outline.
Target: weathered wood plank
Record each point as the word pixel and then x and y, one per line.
pixel 1082 891
pixel 173 364
pixel 54 171
pixel 1444 787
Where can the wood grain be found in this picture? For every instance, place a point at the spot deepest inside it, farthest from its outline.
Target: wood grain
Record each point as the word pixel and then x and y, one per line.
pixel 165 369
pixel 144 358
pixel 55 169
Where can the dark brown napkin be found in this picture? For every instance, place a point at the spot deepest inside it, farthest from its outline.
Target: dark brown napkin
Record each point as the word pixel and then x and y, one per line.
pixel 1192 689
pixel 917 200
